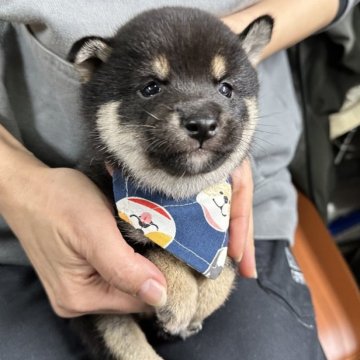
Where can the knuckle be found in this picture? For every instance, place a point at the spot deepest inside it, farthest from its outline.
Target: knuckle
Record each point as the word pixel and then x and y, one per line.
pixel 61 312
pixel 59 309
pixel 67 305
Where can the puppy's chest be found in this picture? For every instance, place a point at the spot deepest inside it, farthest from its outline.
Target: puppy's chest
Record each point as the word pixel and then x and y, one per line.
pixel 194 230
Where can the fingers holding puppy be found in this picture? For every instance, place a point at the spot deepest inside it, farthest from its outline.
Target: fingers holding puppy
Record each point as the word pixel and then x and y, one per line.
pixel 241 245
pixel 68 231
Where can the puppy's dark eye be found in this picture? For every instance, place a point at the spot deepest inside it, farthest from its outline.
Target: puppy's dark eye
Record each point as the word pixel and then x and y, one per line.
pixel 151 89
pixel 225 89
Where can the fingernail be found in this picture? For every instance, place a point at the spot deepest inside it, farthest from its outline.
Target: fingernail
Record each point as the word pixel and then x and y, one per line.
pixel 238 258
pixel 152 293
pixel 255 275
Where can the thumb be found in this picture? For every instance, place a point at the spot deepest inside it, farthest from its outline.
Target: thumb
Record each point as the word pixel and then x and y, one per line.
pixel 123 268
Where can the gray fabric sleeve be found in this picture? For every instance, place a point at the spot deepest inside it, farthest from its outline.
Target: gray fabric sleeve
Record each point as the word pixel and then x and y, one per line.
pixel 10 250
pixel 58 26
pixel 345 7
pixel 7 118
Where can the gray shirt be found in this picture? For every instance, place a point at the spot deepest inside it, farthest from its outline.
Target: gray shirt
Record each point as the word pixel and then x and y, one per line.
pixel 39 106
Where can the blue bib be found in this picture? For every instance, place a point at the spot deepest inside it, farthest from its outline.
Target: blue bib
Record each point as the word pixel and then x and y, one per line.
pixel 194 230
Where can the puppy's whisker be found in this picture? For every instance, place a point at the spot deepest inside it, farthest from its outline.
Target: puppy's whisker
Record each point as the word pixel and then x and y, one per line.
pixel 259 150
pixel 264 116
pixel 258 125
pixel 156 144
pixel 260 131
pixel 152 115
pixel 250 136
pixel 255 145
pixel 263 140
pixel 166 106
pixel 138 126
pixel 266 132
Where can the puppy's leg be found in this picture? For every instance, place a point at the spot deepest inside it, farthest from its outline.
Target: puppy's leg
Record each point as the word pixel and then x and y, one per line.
pixel 124 339
pixel 211 295
pixel 182 292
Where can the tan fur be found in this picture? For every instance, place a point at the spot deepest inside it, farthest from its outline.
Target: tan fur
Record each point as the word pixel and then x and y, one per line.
pixel 161 67
pixel 124 338
pixel 252 111
pixel 218 67
pixel 93 48
pixel 191 299
pixel 213 293
pixel 182 292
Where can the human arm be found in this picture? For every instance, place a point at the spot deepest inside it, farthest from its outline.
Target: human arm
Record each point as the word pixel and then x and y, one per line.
pixel 68 231
pixel 294 20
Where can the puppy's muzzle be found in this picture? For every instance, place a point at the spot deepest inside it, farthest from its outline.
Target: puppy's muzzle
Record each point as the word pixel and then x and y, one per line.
pixel 201 129
pixel 199 119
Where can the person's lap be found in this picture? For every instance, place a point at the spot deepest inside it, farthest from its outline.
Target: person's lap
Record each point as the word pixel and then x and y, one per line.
pixel 269 318
pixel 28 327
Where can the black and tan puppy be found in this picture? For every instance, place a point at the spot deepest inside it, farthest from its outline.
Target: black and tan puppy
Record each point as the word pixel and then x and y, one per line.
pixel 172 101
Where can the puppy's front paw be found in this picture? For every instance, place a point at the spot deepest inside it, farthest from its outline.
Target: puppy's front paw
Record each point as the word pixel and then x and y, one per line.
pixel 182 293
pixel 192 329
pixel 174 320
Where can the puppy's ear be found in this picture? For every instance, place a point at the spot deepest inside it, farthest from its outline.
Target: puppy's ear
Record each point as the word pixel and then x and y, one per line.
pixel 88 53
pixel 256 36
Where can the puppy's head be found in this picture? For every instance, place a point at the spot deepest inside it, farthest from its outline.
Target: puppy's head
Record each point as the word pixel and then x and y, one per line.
pixel 172 98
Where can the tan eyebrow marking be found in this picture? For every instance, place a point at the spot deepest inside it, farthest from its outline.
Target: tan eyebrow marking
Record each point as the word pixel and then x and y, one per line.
pixel 161 67
pixel 218 67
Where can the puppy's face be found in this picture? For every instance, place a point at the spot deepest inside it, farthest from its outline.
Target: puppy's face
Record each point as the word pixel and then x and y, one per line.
pixel 173 94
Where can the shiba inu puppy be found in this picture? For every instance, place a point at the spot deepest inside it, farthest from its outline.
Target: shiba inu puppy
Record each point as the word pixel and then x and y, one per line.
pixel 171 102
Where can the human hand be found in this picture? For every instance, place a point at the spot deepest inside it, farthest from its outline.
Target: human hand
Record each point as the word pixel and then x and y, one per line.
pixel 69 233
pixel 241 244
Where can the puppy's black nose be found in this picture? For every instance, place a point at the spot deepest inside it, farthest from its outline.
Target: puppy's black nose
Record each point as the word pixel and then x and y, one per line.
pixel 201 129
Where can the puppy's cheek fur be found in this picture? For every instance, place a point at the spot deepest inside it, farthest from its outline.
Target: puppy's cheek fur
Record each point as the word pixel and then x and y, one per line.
pixel 107 124
pixel 250 125
pixel 122 141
